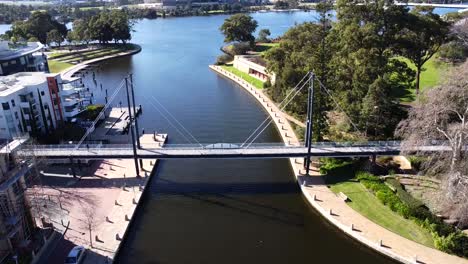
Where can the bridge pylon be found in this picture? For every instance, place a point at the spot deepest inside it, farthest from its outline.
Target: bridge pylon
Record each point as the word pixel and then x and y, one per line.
pixel 309 128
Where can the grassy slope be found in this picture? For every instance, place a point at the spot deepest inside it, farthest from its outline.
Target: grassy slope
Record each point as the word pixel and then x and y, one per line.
pixel 254 81
pixel 430 77
pixel 367 204
pixel 58 66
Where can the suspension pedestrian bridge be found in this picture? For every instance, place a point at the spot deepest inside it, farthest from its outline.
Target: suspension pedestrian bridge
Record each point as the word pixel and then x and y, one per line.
pixel 221 150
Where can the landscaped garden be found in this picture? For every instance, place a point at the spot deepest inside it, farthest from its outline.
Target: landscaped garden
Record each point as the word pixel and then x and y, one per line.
pixel 385 201
pixel 61 59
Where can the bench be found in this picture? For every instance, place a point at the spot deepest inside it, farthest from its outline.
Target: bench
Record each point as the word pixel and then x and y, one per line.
pixel 343 197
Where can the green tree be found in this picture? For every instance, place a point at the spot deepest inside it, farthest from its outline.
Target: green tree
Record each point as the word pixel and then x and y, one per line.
pixel 239 27
pixel 121 26
pixel 54 36
pixel 424 34
pixel 38 25
pixel 297 55
pixel 364 38
pixel 263 35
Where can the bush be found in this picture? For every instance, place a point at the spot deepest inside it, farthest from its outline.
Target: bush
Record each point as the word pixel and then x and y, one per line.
pixel 223 59
pixel 240 48
pixel 329 164
pixel 416 162
pixel 453 52
pixel 454 243
pixel 404 195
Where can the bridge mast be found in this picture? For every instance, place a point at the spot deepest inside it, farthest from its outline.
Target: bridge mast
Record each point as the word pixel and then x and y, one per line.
pixel 309 128
pixel 135 156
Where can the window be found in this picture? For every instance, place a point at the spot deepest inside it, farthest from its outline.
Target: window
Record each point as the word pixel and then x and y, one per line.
pixel 5 64
pixel 23 61
pixel 12 103
pixel 46 107
pixel 5 106
pixel 12 62
pixel 16 115
pixel 2 129
pixel 42 93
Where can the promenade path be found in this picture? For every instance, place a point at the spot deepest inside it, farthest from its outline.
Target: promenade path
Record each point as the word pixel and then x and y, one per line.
pixel 67 74
pixel 104 196
pixel 335 210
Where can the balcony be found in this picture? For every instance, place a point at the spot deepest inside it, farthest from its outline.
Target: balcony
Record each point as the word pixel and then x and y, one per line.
pixel 72 113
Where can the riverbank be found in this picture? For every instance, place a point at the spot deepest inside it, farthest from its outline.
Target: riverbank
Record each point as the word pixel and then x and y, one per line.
pixel 334 209
pixel 69 73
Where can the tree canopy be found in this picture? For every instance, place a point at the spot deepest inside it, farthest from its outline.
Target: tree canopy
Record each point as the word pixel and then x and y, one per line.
pixel 239 27
pixel 37 26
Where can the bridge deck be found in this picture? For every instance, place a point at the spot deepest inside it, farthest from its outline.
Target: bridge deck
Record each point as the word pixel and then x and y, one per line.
pixel 216 151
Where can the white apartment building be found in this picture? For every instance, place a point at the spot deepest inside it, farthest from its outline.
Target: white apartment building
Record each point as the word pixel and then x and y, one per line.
pixel 36 103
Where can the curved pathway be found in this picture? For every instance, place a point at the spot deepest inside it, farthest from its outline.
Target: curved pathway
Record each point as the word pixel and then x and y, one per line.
pixel 67 74
pixel 334 209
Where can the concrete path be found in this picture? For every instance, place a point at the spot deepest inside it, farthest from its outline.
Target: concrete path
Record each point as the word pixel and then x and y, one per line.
pixel 335 210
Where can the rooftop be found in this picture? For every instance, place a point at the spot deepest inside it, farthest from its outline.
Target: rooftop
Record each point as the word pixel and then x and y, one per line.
pixel 8 53
pixel 15 82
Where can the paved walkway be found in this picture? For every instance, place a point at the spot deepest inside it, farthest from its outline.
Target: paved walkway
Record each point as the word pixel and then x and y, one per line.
pixel 105 199
pixel 336 210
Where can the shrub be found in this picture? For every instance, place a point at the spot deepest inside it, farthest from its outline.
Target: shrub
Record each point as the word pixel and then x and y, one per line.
pixel 330 164
pixel 404 195
pixel 223 59
pixel 416 162
pixel 453 52
pixel 454 243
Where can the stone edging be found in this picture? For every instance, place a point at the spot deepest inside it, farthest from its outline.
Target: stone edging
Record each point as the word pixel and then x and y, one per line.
pixel 289 137
pixel 67 73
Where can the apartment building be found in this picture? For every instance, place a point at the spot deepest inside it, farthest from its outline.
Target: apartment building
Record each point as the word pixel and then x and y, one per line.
pixel 36 103
pixel 26 57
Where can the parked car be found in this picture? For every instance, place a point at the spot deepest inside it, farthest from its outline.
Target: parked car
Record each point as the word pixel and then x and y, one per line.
pixel 76 255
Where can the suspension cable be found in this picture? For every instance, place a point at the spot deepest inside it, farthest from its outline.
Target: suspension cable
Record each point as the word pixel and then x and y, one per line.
pixel 169 121
pixel 281 109
pixel 106 106
pixel 279 105
pixel 175 119
pixel 338 105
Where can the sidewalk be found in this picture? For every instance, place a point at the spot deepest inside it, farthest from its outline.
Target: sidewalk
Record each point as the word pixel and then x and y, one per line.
pixel 335 210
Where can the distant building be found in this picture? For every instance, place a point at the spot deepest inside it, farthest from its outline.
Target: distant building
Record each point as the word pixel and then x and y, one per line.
pixel 25 58
pixel 255 66
pixel 166 4
pixel 36 103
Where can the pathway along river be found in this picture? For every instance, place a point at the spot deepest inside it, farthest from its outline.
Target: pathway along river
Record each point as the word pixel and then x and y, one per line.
pixel 217 211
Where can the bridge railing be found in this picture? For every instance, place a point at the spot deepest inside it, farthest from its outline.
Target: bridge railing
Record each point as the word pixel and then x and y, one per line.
pixel 214 145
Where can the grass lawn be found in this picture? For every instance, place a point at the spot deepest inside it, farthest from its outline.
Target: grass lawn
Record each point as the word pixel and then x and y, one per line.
pixel 254 81
pixel 58 66
pixel 430 77
pixel 369 206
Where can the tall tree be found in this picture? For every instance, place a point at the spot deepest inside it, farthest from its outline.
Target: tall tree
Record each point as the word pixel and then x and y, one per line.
pixel 363 40
pixel 54 36
pixel 297 55
pixel 239 27
pixel 38 25
pixel 442 116
pixel 423 35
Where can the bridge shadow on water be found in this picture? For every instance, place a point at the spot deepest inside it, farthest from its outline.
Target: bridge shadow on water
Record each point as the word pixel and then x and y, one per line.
pixel 229 196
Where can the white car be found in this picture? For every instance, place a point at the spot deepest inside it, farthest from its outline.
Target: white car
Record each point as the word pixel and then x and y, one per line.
pixel 76 255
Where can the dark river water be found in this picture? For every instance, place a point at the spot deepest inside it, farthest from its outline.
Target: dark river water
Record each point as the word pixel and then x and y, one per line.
pixel 216 211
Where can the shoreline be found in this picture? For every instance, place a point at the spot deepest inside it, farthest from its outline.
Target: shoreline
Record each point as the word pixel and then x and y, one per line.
pixel 67 74
pixel 323 200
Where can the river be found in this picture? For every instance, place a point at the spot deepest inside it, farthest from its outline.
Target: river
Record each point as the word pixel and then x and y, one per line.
pixel 217 211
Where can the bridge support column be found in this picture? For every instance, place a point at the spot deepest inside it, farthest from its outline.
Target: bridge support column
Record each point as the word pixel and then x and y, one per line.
pixel 137 130
pixel 132 132
pixel 72 167
pixel 309 129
